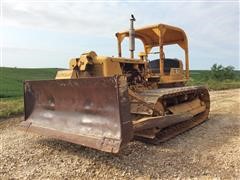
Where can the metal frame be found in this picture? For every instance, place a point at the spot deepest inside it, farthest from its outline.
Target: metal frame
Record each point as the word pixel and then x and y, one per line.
pixel 164 35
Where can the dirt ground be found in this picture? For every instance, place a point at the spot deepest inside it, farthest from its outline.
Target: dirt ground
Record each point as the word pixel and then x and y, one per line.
pixel 209 151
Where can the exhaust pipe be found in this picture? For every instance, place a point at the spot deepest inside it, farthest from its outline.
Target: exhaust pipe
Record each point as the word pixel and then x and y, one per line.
pixel 132 37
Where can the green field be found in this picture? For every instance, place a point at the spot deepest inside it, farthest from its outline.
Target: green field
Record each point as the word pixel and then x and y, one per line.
pixel 201 77
pixel 11 85
pixel 11 79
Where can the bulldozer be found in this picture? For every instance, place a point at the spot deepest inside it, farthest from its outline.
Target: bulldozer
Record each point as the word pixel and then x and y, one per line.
pixel 105 102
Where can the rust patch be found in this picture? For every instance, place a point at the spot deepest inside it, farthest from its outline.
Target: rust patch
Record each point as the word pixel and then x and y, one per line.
pixel 78 110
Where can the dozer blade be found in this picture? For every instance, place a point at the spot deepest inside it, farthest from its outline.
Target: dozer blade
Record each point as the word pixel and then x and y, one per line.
pixel 92 112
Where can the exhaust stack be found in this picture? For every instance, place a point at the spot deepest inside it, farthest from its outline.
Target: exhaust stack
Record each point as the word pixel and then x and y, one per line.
pixel 132 37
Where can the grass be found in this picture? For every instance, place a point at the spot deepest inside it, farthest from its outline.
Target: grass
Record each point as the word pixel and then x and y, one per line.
pixel 201 77
pixel 11 85
pixel 11 107
pixel 11 79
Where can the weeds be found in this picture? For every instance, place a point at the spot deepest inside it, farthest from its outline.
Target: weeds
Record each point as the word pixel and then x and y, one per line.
pixel 10 107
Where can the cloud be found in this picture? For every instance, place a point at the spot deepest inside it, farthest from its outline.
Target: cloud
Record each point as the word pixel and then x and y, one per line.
pixel 85 18
pixel 212 28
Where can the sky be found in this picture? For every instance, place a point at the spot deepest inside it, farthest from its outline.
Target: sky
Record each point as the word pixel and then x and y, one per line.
pixel 48 33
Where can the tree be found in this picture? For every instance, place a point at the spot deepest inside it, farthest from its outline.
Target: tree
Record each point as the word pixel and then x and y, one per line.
pixel 219 72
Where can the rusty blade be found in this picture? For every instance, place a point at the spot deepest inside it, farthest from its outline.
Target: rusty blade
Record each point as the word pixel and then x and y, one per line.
pixel 92 112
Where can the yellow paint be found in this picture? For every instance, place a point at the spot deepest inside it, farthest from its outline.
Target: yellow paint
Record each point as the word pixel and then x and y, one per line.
pixel 151 36
pixel 159 35
pixel 66 74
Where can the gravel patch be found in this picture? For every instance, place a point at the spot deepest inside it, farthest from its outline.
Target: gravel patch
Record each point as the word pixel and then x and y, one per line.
pixel 210 150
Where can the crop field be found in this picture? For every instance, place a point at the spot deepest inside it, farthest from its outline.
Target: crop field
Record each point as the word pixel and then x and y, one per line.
pixel 11 87
pixel 11 79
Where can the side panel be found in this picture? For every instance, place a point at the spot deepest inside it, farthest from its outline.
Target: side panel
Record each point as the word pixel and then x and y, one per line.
pixel 111 68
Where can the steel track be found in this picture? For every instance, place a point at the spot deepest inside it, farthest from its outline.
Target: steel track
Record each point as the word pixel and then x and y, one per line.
pixel 166 93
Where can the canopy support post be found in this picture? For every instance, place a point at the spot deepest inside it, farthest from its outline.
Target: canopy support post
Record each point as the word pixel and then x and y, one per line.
pixel 161 55
pixel 186 64
pixel 119 49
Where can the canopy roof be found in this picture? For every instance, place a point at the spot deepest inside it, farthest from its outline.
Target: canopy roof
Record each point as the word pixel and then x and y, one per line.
pixel 154 35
